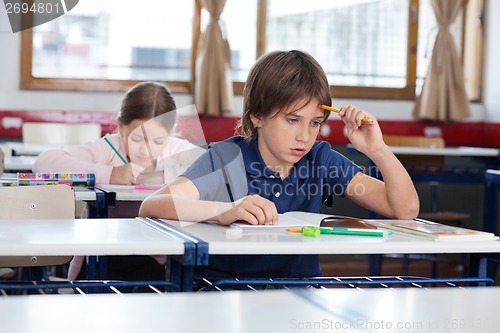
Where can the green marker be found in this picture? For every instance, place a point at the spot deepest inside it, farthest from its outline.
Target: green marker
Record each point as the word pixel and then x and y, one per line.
pixel 355 232
pixel 115 150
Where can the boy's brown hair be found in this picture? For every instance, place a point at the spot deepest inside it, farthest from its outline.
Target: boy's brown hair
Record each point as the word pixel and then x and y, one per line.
pixel 279 80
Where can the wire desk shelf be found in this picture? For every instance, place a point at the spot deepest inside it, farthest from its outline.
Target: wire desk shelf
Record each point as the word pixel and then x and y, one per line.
pixel 10 288
pixel 344 282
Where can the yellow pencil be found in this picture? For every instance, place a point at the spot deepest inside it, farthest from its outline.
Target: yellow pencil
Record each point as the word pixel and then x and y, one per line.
pixel 329 108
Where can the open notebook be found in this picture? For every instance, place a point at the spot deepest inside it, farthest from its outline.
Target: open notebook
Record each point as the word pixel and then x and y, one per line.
pixel 413 228
pixel 305 219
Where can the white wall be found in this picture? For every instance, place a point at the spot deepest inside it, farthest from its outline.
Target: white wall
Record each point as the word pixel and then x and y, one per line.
pixel 12 98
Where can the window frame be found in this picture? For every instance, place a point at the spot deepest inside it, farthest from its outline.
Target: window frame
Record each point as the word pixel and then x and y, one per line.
pixel 100 85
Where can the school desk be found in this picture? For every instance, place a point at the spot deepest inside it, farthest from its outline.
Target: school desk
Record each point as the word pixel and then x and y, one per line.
pixel 477 160
pixel 30 149
pixel 470 168
pixel 101 197
pixel 412 309
pixel 215 239
pixel 447 151
pixel 479 152
pixel 83 193
pixel 19 163
pixel 175 312
pixel 122 200
pixel 92 237
pixel 96 198
pixel 127 192
pixel 297 310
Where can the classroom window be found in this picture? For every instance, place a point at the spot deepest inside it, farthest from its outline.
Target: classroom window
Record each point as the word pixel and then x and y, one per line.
pixel 358 43
pixel 368 48
pixel 113 41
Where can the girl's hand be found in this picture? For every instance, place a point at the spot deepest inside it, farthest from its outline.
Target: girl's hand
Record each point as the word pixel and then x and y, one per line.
pixel 126 174
pixel 253 209
pixel 153 177
pixel 365 136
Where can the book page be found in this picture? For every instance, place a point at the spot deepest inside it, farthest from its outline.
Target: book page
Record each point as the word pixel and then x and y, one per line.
pixel 284 221
pixel 306 219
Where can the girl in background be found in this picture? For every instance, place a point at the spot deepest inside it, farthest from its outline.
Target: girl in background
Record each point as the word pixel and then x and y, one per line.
pixel 145 138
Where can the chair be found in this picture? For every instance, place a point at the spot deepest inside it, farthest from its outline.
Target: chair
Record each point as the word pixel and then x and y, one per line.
pixel 36 202
pixel 60 134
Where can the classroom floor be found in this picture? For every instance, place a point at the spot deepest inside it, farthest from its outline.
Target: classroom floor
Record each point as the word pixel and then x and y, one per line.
pixel 448 266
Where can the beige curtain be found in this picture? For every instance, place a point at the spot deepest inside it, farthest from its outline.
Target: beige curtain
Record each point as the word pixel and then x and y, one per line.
pixel 443 96
pixel 213 86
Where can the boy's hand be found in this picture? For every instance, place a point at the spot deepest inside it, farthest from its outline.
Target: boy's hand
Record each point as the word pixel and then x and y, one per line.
pixel 365 136
pixel 253 209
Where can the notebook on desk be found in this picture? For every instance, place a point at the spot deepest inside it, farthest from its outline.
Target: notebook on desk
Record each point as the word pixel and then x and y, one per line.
pixel 433 230
pixel 414 228
pixel 306 219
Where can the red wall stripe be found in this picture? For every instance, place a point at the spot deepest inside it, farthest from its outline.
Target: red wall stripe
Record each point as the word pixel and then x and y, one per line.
pixel 476 134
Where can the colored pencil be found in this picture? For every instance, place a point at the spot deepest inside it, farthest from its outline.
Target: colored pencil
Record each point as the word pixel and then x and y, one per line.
pixel 332 109
pixel 115 150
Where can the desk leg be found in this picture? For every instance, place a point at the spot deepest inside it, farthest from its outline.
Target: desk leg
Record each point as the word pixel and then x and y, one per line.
pixel 490 207
pixel 484 265
pixel 97 268
pixel 375 264
pixel 93 211
pixel 103 267
pixel 91 267
pixel 99 207
pixel 181 275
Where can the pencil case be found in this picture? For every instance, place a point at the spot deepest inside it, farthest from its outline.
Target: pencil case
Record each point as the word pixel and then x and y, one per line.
pixel 69 178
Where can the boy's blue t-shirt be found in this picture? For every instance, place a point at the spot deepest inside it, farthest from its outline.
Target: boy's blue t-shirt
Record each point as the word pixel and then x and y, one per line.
pixel 234 168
